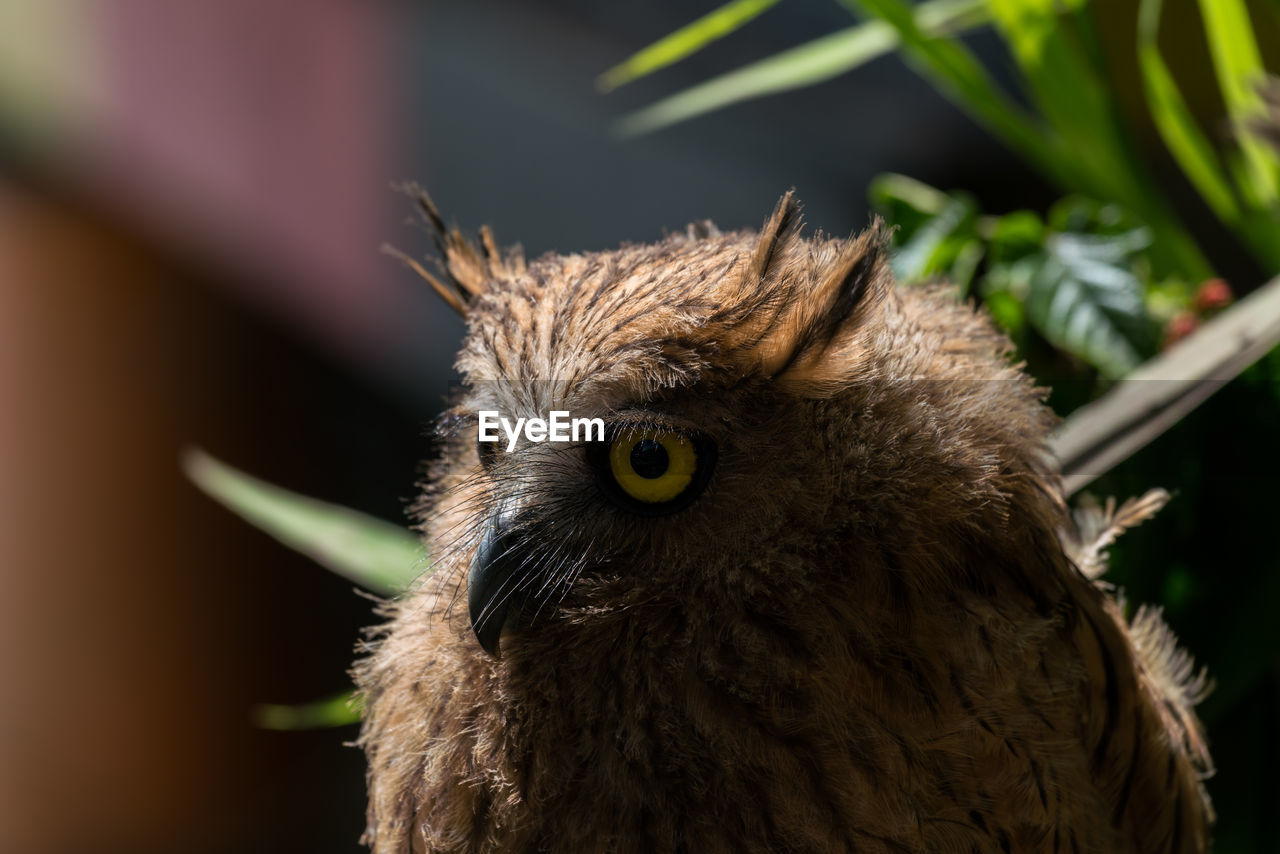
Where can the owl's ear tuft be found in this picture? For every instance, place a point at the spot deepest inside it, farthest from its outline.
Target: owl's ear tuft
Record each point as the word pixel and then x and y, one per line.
pixel 782 227
pixel 851 289
pixel 812 344
pixel 468 269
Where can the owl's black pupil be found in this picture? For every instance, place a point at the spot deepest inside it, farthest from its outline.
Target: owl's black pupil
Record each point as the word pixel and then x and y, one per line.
pixel 649 459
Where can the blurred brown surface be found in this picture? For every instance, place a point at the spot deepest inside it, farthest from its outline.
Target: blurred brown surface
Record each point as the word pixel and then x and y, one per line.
pixel 138 621
pixel 90 397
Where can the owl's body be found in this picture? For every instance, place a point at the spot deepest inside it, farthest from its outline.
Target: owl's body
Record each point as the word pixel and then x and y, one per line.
pixel 858 629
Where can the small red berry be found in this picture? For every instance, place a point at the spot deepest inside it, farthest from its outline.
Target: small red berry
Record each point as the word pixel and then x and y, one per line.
pixel 1213 294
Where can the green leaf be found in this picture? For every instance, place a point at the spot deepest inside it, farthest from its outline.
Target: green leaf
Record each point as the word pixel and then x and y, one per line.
pixel 1088 153
pixel 1238 64
pixel 1007 310
pixel 1070 89
pixel 1177 125
pixel 966 253
pixel 940 235
pixel 1256 226
pixel 810 63
pixel 684 42
pixel 375 554
pixel 1085 299
pixel 1075 282
pixel 1015 236
pixel 1071 95
pixel 338 710
pixel 935 246
pixel 890 190
pixel 905 203
pixel 955 71
pixel 1090 216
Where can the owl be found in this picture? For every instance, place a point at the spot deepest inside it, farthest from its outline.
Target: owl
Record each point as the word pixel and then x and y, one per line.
pixel 812 585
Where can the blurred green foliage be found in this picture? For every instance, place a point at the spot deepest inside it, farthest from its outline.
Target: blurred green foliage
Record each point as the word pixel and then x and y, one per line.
pixel 1067 119
pixel 1076 278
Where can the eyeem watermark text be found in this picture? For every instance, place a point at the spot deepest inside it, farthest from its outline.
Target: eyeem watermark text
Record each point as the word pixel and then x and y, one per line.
pixel 558 428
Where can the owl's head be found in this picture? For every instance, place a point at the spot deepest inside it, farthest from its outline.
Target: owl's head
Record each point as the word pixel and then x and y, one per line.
pixel 753 411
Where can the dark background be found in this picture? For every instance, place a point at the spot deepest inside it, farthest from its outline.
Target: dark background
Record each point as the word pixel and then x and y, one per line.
pixel 192 197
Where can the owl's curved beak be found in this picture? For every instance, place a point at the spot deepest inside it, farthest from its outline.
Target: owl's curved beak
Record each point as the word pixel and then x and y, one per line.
pixel 492 595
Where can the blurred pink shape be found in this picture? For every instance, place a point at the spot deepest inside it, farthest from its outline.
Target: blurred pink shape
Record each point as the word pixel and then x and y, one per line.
pixel 259 135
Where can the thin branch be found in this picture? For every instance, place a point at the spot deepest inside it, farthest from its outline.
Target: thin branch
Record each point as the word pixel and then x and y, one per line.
pixel 1105 433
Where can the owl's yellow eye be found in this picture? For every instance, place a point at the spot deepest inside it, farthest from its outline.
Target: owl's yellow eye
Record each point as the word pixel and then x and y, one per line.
pixel 650 470
pixel 652 467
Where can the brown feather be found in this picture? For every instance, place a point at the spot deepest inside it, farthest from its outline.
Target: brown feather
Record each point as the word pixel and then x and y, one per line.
pixel 449 294
pixel 469 269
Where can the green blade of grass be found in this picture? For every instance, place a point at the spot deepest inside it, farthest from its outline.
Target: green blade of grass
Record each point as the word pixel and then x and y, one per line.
pixel 1069 93
pixel 339 710
pixel 805 65
pixel 1175 122
pixel 1238 64
pixel 916 193
pixel 813 62
pixel 375 554
pixel 683 42
pixel 955 71
pixel 1195 155
pixel 1072 94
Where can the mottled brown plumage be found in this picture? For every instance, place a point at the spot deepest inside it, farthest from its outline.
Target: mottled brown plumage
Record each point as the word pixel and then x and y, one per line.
pixel 877 629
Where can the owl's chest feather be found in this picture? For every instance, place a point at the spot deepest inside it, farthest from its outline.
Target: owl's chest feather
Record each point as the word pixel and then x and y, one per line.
pixel 759 729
